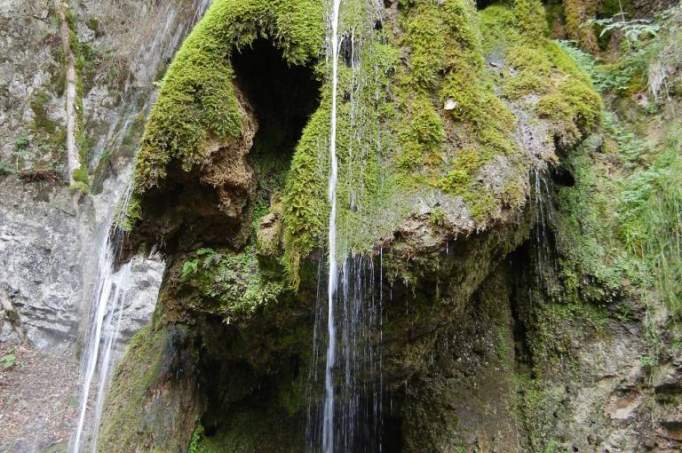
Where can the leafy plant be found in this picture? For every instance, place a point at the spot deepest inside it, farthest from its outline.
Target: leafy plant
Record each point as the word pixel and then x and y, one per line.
pixel 5 168
pixel 189 268
pixel 8 361
pixel 21 143
pixel 205 258
pixel 635 30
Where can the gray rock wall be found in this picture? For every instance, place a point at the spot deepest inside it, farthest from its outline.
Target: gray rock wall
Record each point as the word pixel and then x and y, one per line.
pixel 50 235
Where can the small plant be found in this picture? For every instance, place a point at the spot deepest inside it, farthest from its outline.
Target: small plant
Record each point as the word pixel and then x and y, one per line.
pixel 648 362
pixel 189 268
pixel 8 361
pixel 204 257
pixel 21 151
pixel 21 143
pixel 635 30
pixel 6 169
pixel 196 441
pixel 437 217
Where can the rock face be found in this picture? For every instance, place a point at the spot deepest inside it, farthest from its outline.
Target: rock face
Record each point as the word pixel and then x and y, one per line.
pixel 41 262
pixel 50 235
pixel 482 204
pixel 507 322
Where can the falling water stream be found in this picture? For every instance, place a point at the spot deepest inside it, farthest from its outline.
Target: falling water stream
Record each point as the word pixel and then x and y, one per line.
pixel 351 417
pixel 328 421
pixel 112 284
pixel 104 325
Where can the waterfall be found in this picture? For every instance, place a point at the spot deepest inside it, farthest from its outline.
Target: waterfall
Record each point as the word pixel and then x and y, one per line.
pixel 542 206
pixel 351 414
pixel 112 285
pixel 104 323
pixel 328 421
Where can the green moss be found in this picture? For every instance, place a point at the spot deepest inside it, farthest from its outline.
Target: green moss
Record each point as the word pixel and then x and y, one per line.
pixel 574 104
pixel 532 20
pixel 305 195
pixel 83 56
pixel 423 139
pixel 41 120
pixel 567 98
pixel 251 430
pixel 450 39
pixel 197 101
pixel 231 285
pixel 578 13
pixel 395 137
pixel 424 31
pixel 134 377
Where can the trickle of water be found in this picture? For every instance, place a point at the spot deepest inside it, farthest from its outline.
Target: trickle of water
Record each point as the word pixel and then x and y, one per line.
pixel 543 208
pixel 112 285
pixel 328 420
pixel 104 323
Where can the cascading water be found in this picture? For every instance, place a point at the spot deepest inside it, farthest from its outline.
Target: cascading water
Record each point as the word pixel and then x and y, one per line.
pixel 328 421
pixel 112 285
pixel 104 323
pixel 351 417
pixel 543 208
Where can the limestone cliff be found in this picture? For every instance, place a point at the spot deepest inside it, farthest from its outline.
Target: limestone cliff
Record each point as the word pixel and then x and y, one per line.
pixel 508 212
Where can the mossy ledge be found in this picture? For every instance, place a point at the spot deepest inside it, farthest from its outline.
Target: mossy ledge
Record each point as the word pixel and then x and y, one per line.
pixel 441 118
pixel 201 128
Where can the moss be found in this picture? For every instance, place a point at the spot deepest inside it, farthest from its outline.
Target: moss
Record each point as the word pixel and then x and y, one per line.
pixel 41 119
pixel 532 20
pixel 424 137
pixel 133 382
pixel 251 430
pixel 567 98
pixel 418 111
pixel 576 105
pixel 48 135
pixel 449 38
pixel 305 194
pixel 197 101
pixel 82 55
pixel 424 31
pixel 578 13
pixel 231 285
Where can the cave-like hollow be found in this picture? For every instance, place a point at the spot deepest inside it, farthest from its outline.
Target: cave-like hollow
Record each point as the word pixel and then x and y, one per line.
pixel 184 212
pixel 283 97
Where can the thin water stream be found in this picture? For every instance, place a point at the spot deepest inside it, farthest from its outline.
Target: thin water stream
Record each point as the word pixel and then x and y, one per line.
pixel 351 417
pixel 104 323
pixel 112 285
pixel 328 421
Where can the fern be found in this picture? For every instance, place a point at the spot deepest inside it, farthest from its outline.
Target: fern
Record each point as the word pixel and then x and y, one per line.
pixel 635 30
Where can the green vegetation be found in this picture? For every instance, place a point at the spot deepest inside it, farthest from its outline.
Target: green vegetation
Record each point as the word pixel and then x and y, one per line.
pixel 425 109
pixel 650 217
pixel 8 361
pixel 447 60
pixel 231 285
pixel 197 103
pixel 567 98
pixel 80 53
pixel 429 122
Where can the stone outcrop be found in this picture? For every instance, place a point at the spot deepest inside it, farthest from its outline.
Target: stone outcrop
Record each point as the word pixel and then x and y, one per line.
pixel 477 198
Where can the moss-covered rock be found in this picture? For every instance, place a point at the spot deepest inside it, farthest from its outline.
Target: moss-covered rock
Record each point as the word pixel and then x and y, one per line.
pixel 443 112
